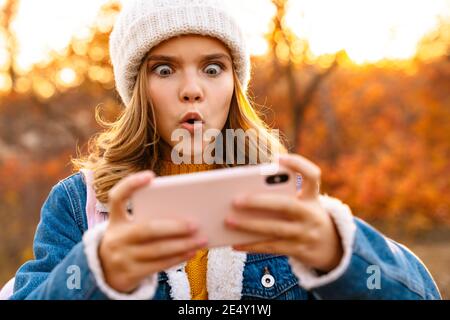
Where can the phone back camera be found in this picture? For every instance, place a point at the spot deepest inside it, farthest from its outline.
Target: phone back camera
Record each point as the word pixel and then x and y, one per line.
pixel 277 178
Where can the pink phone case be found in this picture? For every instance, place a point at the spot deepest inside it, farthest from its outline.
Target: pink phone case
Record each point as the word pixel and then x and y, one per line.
pixel 206 197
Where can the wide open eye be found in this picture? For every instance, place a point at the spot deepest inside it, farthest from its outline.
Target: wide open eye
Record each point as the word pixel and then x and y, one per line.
pixel 213 69
pixel 163 70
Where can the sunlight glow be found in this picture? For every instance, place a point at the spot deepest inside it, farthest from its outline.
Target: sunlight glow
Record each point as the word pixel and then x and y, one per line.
pixel 67 76
pixel 46 25
pixel 369 30
pixel 5 82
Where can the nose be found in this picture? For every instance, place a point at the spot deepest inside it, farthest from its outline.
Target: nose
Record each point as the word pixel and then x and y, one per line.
pixel 191 90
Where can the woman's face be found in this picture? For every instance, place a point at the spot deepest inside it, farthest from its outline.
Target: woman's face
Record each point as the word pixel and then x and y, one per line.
pixel 190 77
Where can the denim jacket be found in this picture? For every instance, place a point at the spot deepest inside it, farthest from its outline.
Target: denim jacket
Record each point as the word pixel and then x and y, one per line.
pixel 66 265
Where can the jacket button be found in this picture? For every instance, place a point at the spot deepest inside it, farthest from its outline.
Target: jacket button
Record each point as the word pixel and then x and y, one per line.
pixel 267 279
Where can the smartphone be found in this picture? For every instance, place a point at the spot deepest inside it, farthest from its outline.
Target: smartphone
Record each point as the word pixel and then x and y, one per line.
pixel 206 198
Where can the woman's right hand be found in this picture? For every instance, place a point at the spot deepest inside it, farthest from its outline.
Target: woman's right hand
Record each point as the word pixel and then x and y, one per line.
pixel 130 252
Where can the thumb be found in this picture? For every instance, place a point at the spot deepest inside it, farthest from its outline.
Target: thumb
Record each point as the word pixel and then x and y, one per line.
pixel 122 191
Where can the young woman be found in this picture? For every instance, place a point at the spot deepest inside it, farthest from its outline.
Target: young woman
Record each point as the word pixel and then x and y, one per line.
pixel 177 62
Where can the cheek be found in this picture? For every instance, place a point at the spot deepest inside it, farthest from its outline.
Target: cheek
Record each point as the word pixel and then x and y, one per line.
pixel 222 100
pixel 165 114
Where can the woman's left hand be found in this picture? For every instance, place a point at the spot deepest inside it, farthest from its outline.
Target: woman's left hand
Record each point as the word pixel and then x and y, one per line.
pixel 301 229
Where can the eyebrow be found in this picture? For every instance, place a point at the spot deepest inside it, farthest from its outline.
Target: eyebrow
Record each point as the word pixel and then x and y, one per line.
pixel 175 59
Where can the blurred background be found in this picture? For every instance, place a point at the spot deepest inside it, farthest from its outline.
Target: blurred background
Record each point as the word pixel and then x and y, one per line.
pixel 360 87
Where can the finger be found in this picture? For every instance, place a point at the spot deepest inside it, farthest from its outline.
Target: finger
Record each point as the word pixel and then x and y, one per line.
pixel 284 205
pixel 121 192
pixel 158 250
pixel 310 173
pixel 269 227
pixel 160 228
pixel 284 247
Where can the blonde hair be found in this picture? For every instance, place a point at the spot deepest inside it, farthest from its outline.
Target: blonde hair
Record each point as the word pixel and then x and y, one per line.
pixel 131 143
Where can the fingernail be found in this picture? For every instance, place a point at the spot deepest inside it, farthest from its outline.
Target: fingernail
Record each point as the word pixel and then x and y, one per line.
pixel 146 175
pixel 239 201
pixel 192 226
pixel 230 221
pixel 192 253
pixel 202 241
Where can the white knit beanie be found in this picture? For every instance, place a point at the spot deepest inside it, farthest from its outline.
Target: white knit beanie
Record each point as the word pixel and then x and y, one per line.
pixel 143 24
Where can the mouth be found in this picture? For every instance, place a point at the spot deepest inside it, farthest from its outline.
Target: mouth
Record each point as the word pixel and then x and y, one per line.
pixel 191 121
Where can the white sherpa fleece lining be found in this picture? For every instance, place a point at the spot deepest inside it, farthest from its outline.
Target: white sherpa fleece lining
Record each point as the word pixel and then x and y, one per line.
pixel 343 219
pixel 91 241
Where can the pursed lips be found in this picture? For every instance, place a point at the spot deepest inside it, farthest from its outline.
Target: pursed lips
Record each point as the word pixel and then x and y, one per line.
pixel 192 121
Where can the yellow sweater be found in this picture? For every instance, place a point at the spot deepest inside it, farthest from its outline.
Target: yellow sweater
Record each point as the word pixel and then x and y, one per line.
pixel 196 267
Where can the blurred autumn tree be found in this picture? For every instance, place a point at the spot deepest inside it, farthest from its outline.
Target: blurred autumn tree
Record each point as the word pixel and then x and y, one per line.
pixel 48 112
pixel 378 131
pixel 287 66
